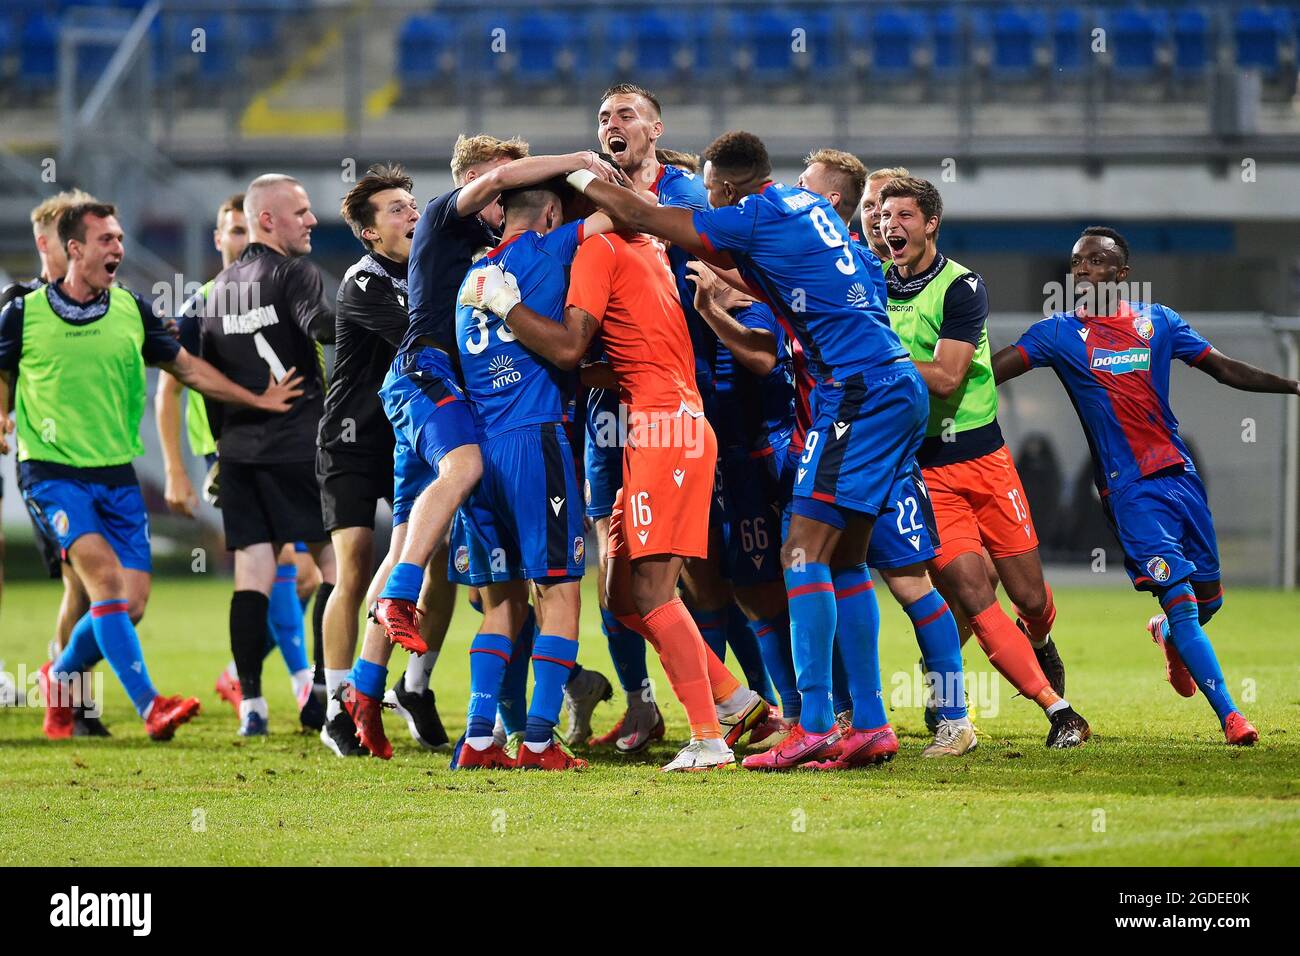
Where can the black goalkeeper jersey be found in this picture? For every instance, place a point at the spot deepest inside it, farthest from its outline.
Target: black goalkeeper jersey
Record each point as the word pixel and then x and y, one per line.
pixel 266 313
pixel 370 321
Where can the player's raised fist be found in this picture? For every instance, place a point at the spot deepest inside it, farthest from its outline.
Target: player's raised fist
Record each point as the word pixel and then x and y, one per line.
pixel 491 288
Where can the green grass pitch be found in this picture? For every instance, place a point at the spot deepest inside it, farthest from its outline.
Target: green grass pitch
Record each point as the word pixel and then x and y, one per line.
pixel 1155 785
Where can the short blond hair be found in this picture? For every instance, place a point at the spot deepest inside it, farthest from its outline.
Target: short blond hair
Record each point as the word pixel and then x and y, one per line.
pixel 675 157
pixel 48 212
pixel 889 172
pixel 850 172
pixel 469 151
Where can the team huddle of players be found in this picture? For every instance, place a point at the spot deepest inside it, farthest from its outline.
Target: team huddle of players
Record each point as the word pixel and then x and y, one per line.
pixel 748 404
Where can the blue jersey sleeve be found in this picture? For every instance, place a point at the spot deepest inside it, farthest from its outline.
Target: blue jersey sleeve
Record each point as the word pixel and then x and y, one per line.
pixel 562 243
pixel 965 310
pixel 159 344
pixel 1188 344
pixel 1038 343
pixel 727 228
pixel 682 189
pixel 11 335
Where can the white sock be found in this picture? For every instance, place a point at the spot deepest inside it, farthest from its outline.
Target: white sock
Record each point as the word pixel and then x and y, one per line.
pixel 1039 645
pixel 1059 705
pixel 232 670
pixel 418 669
pixel 255 705
pixel 535 747
pixel 333 680
pixel 714 744
pixel 301 682
pixel 479 743
pixel 737 702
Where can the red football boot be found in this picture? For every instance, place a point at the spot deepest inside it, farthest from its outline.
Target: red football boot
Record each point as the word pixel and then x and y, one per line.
pixel 59 722
pixel 798 748
pixel 494 757
pixel 168 713
pixel 1239 731
pixel 1175 670
pixel 367 713
pixel 400 621
pixel 552 758
pixel 607 739
pixel 861 748
pixel 228 690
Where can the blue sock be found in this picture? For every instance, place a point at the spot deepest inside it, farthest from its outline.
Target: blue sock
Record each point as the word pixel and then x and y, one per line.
pixel 1194 647
pixel 369 678
pixel 512 699
pixel 812 634
pixel 404 582
pixel 749 656
pixel 841 699
pixel 940 643
pixel 713 628
pixel 773 636
pixel 488 656
pixel 285 618
pixel 82 650
pixel 120 645
pixel 626 650
pixel 553 658
pixel 857 635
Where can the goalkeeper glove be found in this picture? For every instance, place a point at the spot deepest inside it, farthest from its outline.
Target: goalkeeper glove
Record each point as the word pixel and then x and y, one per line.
pixel 491 288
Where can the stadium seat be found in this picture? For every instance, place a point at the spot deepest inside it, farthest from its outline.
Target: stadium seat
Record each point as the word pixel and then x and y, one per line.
pixel 1259 33
pixel 659 44
pixel 1071 40
pixel 487 45
pixel 949 38
pixel 1192 43
pixel 540 47
pixel 896 36
pixel 422 44
pixel 38 64
pixel 1136 36
pixel 1017 36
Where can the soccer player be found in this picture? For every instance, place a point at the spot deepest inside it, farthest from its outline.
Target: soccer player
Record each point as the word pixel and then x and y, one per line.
pixel 939 309
pixel 869 409
pixel 1112 356
pixel 901 546
pixel 523 522
pixel 266 311
pixel 621 286
pixel 296 576
pixel 437 461
pixel 79 400
pixel 871 208
pixel 74 603
pixel 355 454
pixel 629 126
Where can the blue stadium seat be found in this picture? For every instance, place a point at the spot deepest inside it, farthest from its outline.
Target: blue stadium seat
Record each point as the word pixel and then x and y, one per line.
pixel 38 64
pixel 1136 36
pixel 213 67
pixel 421 43
pixel 895 36
pixel 479 44
pixel 1192 44
pixel 659 41
pixel 1017 36
pixel 539 49
pixel 948 36
pixel 1259 34
pixel 1071 41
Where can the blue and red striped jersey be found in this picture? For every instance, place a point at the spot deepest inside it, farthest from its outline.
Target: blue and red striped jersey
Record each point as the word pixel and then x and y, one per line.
pixel 1116 371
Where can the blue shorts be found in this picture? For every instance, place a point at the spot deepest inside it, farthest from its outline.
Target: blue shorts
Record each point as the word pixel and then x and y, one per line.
pixel 866 432
pixel 1163 524
pixel 71 508
pixel 754 500
pixel 905 533
pixel 430 417
pixel 602 458
pixel 522 522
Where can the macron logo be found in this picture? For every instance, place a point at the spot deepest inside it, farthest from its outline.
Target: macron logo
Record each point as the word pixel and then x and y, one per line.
pixel 73 909
pixel 1126 360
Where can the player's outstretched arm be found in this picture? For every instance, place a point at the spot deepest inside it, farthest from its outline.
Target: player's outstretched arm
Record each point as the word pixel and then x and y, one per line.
pixel 478 193
pixel 177 490
pixel 207 380
pixel 672 223
pixel 1008 363
pixel 755 349
pixel 1244 376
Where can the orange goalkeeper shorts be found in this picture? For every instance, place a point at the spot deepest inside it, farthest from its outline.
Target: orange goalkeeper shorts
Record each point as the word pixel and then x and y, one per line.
pixel 980 504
